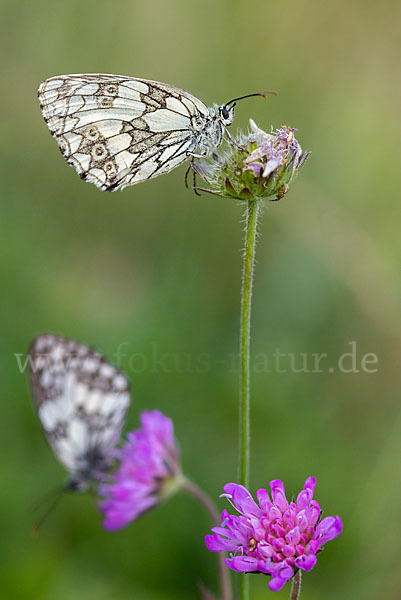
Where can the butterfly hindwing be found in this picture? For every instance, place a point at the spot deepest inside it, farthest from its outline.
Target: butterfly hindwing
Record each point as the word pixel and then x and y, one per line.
pixel 118 131
pixel 81 401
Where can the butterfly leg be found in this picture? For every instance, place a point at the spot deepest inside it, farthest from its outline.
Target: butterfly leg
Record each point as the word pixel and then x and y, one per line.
pixel 194 187
pixel 186 175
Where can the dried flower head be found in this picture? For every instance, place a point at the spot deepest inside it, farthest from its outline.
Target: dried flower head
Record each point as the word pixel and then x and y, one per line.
pixel 148 472
pixel 274 537
pixel 257 165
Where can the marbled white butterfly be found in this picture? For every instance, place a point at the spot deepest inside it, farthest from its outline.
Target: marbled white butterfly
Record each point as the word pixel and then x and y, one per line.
pixel 118 131
pixel 81 401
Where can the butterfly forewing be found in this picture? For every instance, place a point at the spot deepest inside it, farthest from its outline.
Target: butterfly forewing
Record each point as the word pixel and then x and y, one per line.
pixel 81 401
pixel 118 131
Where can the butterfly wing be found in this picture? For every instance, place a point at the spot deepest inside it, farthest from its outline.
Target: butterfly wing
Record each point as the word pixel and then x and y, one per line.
pixel 81 401
pixel 118 131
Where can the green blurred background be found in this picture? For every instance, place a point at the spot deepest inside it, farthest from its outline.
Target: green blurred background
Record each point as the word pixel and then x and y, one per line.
pixel 159 269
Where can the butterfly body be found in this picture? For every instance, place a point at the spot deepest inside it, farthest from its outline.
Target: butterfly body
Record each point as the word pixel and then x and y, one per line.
pixel 81 401
pixel 118 131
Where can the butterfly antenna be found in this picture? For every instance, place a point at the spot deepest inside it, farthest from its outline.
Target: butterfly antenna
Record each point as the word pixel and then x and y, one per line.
pixel 50 495
pixel 264 95
pixel 37 527
pixel 53 496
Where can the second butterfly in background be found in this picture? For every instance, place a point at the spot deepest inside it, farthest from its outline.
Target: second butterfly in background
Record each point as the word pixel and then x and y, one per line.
pixel 81 401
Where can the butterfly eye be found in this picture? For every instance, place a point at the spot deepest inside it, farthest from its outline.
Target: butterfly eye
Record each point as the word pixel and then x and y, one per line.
pixel 224 113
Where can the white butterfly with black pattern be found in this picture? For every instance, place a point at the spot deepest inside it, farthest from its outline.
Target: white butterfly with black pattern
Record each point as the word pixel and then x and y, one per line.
pixel 81 400
pixel 118 131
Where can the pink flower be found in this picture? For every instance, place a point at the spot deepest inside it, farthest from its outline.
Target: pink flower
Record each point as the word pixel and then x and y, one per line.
pixel 273 536
pixel 148 471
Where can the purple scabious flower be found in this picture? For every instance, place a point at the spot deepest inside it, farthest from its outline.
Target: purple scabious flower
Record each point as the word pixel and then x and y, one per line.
pixel 256 165
pixel 148 471
pixel 274 537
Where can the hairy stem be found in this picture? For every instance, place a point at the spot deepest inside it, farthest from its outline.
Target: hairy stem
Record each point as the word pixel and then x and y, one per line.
pixel 252 212
pixel 296 586
pixel 209 505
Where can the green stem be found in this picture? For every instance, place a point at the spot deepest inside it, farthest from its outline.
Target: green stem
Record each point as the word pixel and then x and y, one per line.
pixel 252 213
pixel 296 586
pixel 195 491
pixel 246 298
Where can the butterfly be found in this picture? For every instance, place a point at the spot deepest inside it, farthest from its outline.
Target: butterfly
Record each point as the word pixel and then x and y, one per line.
pixel 81 401
pixel 118 131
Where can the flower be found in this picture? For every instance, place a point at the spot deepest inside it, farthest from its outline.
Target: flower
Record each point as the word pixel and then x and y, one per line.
pixel 275 537
pixel 257 165
pixel 148 472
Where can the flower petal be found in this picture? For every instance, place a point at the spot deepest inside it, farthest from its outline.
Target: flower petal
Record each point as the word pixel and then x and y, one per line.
pixel 276 584
pixel 328 529
pixel 264 499
pixel 310 484
pixel 215 543
pixel 244 564
pixel 293 536
pixel 280 577
pixel 242 499
pixel 276 485
pixel 306 562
